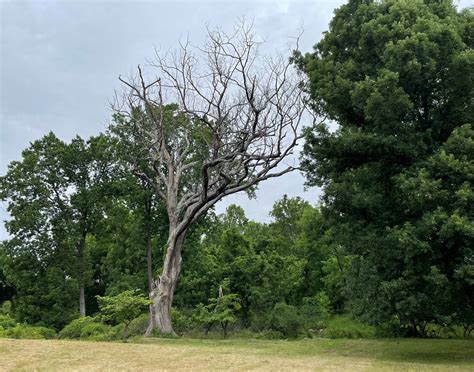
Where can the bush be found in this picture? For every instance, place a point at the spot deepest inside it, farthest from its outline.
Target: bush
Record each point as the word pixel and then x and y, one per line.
pixel 6 308
pixel 6 322
pixel 88 328
pixel 26 331
pixel 343 326
pixel 286 320
pixel 183 320
pixel 446 331
pixel 139 325
pixel 222 310
pixel 74 329
pixel 316 308
pixel 123 308
pixel 99 332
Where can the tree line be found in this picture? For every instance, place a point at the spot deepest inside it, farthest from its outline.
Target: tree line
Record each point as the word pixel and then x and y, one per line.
pixel 390 243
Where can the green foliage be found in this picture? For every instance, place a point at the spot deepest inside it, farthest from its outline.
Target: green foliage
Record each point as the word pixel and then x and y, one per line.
pixel 29 332
pixel 184 320
pixel 138 326
pixel 285 319
pixel 74 329
pixel 397 77
pixel 123 308
pixel 6 308
pixel 343 326
pixel 88 328
pixel 6 322
pixel 222 310
pixel 55 196
pixel 316 307
pixel 261 270
pixel 335 271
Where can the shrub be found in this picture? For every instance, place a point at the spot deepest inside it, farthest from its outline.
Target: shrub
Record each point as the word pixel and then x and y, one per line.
pixel 88 328
pixel 139 325
pixel 286 320
pixel 6 322
pixel 26 331
pixel 6 308
pixel 74 329
pixel 343 326
pixel 316 308
pixel 183 320
pixel 446 331
pixel 98 332
pixel 123 308
pixel 222 310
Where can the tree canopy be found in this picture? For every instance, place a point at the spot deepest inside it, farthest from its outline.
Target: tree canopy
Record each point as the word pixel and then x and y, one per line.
pixel 397 78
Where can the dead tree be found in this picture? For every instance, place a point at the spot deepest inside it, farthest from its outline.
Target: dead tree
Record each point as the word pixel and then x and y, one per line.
pixel 217 120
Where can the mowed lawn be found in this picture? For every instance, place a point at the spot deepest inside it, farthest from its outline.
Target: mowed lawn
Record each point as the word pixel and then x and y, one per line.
pixel 164 354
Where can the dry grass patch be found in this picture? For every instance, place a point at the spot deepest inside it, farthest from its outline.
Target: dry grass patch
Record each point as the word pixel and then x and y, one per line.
pixel 160 354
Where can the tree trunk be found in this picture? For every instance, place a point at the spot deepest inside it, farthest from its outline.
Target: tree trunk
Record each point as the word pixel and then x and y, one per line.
pixel 149 256
pixel 82 296
pixel 82 300
pixel 149 261
pixel 163 291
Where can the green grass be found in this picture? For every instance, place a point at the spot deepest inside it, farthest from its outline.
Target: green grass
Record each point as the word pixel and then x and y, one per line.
pixel 410 350
pixel 321 354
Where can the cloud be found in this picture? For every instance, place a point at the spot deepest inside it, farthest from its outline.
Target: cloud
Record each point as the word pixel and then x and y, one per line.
pixel 60 61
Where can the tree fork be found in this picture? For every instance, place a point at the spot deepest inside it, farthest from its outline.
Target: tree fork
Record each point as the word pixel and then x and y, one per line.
pixel 230 129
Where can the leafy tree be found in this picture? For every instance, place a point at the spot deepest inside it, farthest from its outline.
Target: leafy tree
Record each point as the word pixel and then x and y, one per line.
pixel 397 77
pixel 335 274
pixel 39 259
pixel 222 310
pixel 123 307
pixel 88 167
pixel 287 213
pixel 248 255
pixel 318 306
pixel 438 242
pixel 7 290
pixel 54 197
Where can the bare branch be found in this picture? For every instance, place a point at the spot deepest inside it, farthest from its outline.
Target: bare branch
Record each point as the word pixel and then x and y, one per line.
pixel 218 120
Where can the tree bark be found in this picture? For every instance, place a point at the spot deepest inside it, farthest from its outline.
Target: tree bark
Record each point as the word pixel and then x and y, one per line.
pixel 82 295
pixel 149 259
pixel 150 280
pixel 163 290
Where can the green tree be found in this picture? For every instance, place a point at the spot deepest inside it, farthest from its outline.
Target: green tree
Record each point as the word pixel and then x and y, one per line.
pixel 7 290
pixel 248 254
pixel 123 307
pixel 54 197
pixel 439 238
pixel 88 167
pixel 398 78
pixel 287 213
pixel 222 310
pixel 39 258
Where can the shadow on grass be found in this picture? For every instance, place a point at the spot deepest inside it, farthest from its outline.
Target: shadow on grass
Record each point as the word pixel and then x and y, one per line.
pixel 424 351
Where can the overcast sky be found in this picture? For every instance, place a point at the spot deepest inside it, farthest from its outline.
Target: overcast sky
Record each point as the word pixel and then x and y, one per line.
pixel 60 62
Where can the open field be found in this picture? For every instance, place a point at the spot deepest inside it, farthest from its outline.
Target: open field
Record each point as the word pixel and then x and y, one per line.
pixel 159 354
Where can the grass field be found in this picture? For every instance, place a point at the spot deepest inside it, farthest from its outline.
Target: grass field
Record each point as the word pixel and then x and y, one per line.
pixel 159 354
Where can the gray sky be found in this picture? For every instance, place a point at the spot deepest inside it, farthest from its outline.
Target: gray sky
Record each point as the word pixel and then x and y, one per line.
pixel 60 62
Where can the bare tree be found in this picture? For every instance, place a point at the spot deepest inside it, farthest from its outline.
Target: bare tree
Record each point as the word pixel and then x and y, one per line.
pixel 217 120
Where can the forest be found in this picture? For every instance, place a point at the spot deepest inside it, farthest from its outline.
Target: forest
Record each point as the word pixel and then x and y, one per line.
pixel 116 235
